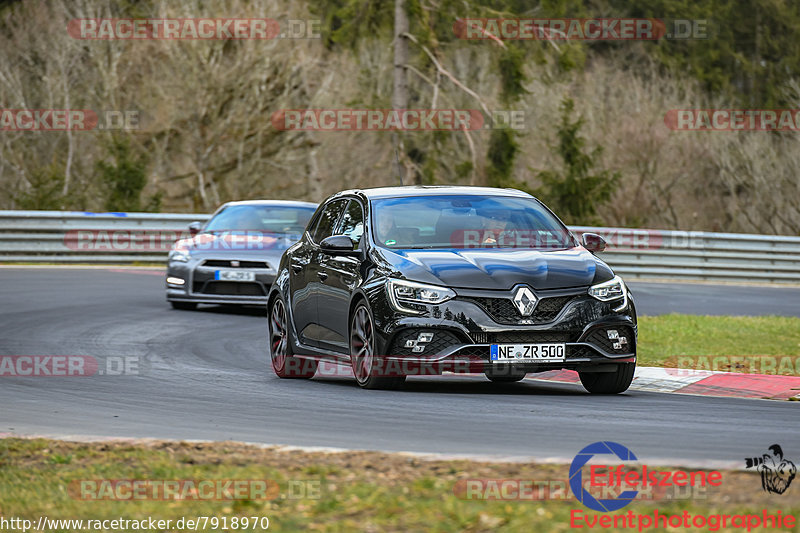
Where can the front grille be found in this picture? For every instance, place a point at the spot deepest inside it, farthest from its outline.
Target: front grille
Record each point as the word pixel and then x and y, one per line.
pixel 599 337
pixel 503 310
pixel 523 337
pixel 481 352
pixel 242 264
pixel 575 352
pixel 442 340
pixel 231 288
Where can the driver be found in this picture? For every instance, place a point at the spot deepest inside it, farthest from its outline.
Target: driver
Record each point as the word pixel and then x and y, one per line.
pixel 246 219
pixel 387 227
pixel 495 222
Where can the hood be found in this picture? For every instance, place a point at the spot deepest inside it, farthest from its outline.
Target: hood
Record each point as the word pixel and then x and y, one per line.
pixel 500 269
pixel 237 244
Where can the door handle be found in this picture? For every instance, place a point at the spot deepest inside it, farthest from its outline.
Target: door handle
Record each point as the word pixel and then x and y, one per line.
pixel 322 275
pixel 297 268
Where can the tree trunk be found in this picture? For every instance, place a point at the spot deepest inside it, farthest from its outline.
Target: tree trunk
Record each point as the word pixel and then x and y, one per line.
pixel 400 93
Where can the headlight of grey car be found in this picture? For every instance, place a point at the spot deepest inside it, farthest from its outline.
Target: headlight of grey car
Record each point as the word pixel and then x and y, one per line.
pixel 181 256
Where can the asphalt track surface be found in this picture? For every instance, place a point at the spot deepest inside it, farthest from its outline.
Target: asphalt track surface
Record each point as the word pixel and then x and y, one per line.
pixel 204 375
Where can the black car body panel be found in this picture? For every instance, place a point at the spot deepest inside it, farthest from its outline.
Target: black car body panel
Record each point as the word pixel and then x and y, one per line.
pixel 499 269
pixel 321 290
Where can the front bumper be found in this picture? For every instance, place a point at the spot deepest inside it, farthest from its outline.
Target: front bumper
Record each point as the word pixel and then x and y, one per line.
pixel 200 285
pixel 596 337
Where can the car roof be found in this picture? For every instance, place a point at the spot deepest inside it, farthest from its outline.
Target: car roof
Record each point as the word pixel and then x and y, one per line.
pixel 276 203
pixel 423 190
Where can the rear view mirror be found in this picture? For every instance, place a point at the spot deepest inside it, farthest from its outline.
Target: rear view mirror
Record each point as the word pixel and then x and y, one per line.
pixel 593 242
pixel 195 227
pixel 337 245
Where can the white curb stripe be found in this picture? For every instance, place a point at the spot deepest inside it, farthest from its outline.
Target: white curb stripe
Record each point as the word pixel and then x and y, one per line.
pixel 657 379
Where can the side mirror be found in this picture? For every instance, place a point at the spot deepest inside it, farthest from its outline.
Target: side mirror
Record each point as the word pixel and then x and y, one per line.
pixel 337 245
pixel 195 227
pixel 593 242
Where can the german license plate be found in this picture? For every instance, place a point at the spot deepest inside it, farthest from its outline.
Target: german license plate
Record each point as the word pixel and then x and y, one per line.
pixel 527 353
pixel 234 275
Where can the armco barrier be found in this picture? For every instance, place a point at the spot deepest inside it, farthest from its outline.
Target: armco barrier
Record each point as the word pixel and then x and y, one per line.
pixel 125 238
pixel 56 236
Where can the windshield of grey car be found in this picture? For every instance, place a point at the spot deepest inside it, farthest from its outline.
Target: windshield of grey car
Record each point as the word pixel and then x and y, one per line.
pixel 267 219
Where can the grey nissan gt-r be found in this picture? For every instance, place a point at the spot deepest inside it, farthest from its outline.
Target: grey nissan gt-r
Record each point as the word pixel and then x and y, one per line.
pixel 233 258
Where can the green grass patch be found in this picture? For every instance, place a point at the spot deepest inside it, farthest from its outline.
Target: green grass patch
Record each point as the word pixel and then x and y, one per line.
pixel 356 491
pixel 663 338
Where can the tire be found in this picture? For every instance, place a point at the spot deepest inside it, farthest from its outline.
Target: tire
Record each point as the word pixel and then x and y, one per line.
pixel 284 364
pixel 609 382
pixel 184 306
pixel 362 352
pixel 505 374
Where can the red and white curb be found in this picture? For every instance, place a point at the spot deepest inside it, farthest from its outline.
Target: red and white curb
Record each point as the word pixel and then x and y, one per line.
pixel 699 382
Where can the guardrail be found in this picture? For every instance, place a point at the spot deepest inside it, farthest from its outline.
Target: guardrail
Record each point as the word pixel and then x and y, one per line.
pixel 82 237
pixel 128 238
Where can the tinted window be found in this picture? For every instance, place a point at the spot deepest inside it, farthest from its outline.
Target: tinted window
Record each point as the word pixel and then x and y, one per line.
pixel 352 223
pixel 327 220
pixel 466 221
pixel 266 218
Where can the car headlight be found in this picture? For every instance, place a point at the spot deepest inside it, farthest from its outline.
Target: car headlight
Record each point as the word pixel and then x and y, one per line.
pixel 613 289
pixel 409 292
pixel 181 256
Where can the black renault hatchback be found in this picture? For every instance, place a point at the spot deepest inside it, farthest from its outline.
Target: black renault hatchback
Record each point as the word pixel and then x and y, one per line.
pixel 403 281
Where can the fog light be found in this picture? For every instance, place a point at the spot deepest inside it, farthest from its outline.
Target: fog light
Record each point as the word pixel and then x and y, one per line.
pixel 175 281
pixel 620 343
pixel 418 345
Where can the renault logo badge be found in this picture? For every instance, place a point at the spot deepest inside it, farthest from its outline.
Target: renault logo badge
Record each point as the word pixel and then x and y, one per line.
pixel 525 301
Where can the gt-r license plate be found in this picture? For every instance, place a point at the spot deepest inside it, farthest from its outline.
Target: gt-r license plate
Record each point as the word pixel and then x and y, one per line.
pixel 234 275
pixel 527 353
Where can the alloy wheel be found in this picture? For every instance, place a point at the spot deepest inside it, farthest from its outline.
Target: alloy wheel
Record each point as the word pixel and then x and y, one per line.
pixel 362 335
pixel 278 334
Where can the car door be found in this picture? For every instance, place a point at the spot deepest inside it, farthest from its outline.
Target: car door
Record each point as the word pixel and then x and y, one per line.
pixel 307 274
pixel 342 276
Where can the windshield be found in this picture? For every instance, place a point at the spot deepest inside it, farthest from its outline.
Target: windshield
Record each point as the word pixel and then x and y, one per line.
pixel 466 221
pixel 263 218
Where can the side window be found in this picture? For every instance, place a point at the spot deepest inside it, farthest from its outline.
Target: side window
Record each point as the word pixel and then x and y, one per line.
pixel 327 220
pixel 352 223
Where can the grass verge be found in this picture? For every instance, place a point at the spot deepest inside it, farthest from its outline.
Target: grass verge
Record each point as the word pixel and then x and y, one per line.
pixel 663 338
pixel 355 491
